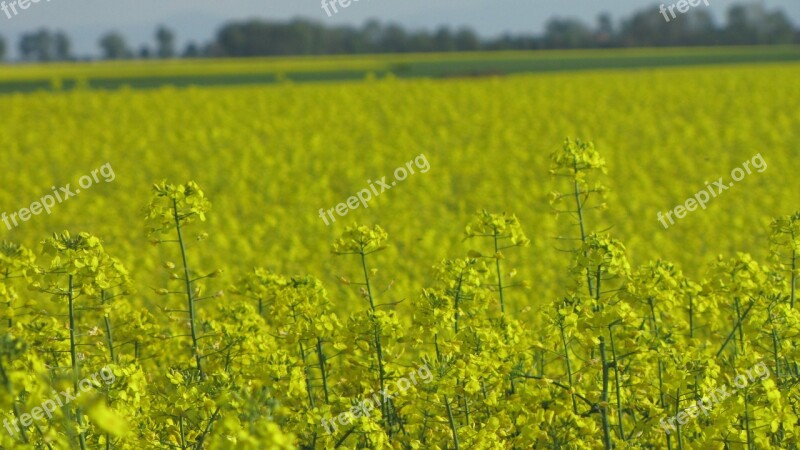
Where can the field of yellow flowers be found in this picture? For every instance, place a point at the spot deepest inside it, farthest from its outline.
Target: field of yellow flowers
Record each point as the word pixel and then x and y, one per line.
pixel 521 293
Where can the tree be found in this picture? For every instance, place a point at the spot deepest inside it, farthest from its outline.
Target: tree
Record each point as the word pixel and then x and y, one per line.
pixel 443 40
pixel 166 42
pixel 743 24
pixel 467 40
pixel 232 39
pixel 779 28
pixel 753 24
pixel 567 33
pixel 371 33
pixel 605 30
pixel 191 51
pixel 648 27
pixel 114 46
pixel 34 47
pixel 62 47
pixel 700 28
pixel 2 48
pixel 421 42
pixel 44 46
pixel 748 24
pixel 394 39
pixel 299 37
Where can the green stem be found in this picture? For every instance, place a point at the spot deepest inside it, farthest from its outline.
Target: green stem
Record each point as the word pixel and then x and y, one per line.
pixel 616 383
pixel 569 366
pixel 747 421
pixel 597 290
pixel 653 315
pixel 201 440
pixel 10 319
pixel 452 422
pixel 502 300
pixel 579 207
pixel 22 430
pixel 189 294
pixel 378 348
pixel 109 335
pixel 604 397
pixel 678 425
pixel 308 376
pixel 183 434
pixel 541 363
pixel 499 275
pixel 76 371
pixel 661 397
pixel 466 406
pixel 321 359
pixel 794 274
pixel 774 346
pixel 733 332
pixel 739 322
pixel 691 316
pixel 662 401
pixel 436 347
pixel 457 298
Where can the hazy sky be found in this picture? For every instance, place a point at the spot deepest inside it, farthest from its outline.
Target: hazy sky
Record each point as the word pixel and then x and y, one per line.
pixel 85 20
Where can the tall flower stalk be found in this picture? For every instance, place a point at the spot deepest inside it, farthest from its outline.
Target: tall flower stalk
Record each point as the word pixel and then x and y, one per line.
pixel 172 209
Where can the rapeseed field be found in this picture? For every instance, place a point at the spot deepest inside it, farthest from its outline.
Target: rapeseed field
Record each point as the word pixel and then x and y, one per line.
pixel 520 289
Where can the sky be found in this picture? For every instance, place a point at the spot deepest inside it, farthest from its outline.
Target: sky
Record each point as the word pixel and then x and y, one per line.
pixel 197 20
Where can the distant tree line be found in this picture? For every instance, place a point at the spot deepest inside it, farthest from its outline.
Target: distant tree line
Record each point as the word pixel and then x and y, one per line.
pixel 745 24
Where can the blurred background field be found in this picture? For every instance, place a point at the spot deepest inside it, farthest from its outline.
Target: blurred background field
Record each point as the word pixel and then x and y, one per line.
pixel 209 72
pixel 269 157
